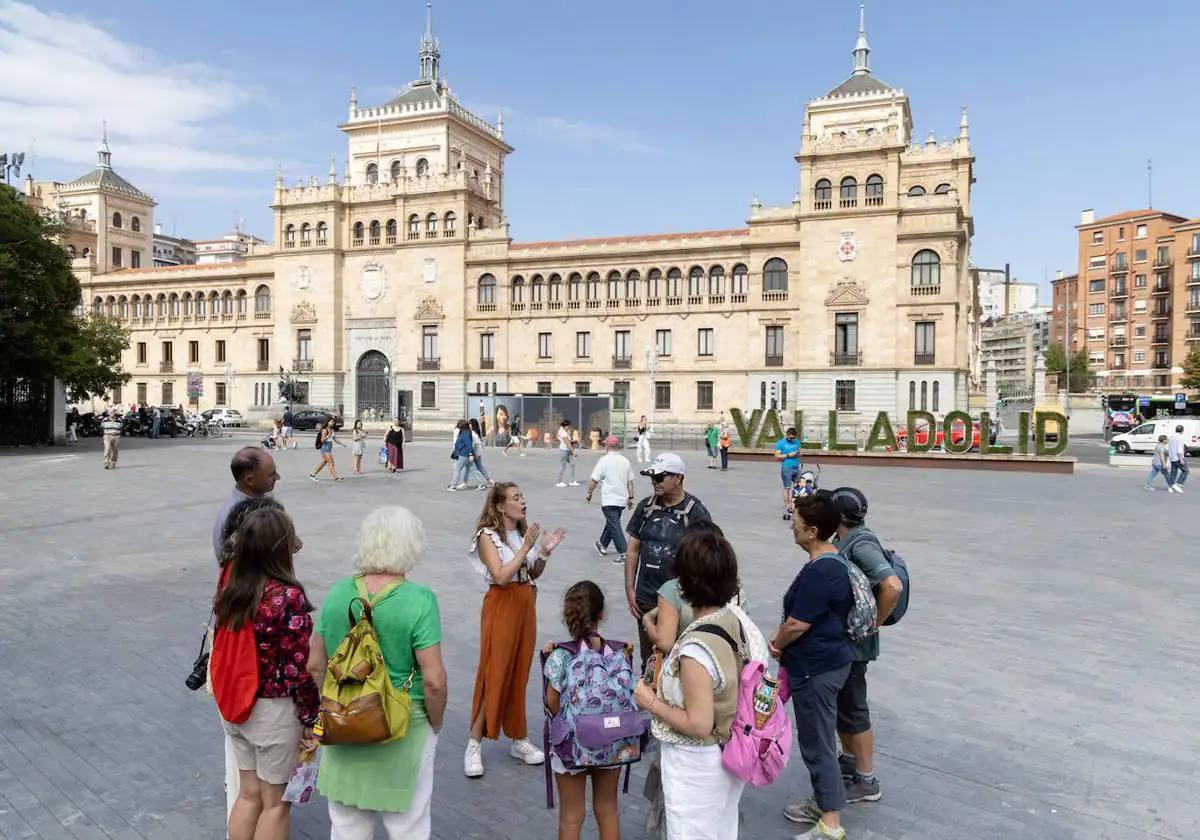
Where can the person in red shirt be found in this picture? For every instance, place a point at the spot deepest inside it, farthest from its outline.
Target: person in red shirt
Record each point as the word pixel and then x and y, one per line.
pixel 262 588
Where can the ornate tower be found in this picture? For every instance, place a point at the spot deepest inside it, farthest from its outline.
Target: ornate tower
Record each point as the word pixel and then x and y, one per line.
pixel 430 53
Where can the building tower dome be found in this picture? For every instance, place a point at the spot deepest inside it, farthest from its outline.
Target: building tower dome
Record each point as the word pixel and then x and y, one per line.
pixel 430 54
pixel 862 50
pixel 103 155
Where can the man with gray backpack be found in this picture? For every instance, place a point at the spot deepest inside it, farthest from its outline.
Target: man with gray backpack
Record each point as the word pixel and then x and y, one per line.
pixel 888 576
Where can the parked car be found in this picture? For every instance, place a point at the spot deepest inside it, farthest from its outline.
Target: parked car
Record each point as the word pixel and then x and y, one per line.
pixel 311 418
pixel 224 416
pixel 1145 437
pixel 922 435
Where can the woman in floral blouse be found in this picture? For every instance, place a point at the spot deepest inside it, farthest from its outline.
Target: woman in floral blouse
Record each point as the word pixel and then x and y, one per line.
pixel 262 588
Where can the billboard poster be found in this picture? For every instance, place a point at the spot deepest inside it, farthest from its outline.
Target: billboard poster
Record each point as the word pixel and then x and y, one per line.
pixel 195 386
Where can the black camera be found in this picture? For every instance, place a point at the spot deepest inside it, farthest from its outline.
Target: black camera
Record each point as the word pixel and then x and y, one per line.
pixel 199 675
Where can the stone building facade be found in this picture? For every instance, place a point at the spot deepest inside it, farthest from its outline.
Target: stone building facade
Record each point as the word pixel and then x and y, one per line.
pixel 399 287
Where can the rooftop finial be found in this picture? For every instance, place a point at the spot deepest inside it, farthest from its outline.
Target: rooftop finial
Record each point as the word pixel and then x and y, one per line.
pixel 103 155
pixel 430 56
pixel 279 176
pixel 500 124
pixel 962 124
pixel 862 51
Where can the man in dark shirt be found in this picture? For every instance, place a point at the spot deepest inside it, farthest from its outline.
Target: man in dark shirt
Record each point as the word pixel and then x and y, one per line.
pixel 655 529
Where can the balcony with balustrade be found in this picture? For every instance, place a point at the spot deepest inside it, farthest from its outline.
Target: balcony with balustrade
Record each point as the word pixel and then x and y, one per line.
pixel 302 365
pixel 622 362
pixel 429 363
pixel 924 358
pixel 845 358
pixel 770 360
pixel 925 289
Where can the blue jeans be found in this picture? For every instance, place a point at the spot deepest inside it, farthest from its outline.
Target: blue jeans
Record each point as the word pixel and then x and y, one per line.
pixel 481 469
pixel 462 470
pixel 1179 472
pixel 1155 469
pixel 612 532
pixel 566 463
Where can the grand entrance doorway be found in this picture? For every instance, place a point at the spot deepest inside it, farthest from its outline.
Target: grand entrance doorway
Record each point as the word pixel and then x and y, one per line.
pixel 372 388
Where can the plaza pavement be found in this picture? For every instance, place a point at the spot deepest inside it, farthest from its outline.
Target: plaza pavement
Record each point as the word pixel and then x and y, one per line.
pixel 1041 685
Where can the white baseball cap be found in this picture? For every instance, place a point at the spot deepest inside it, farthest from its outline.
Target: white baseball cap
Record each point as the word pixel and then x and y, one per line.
pixel 667 462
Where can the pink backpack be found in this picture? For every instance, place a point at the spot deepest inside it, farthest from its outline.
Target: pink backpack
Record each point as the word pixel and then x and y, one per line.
pixel 756 755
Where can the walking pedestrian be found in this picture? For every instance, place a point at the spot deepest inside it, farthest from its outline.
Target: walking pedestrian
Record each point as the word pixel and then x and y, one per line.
pixel 155 422
pixel 262 590
pixel 725 441
pixel 614 474
pixel 1177 455
pixel 654 531
pixel 388 781
pixel 477 451
pixel 643 440
pixel 813 647
pixel 693 707
pixel 286 424
pixel 394 441
pixel 510 555
pixel 711 441
pixel 463 455
pixel 73 426
pixel 787 452
pixel 326 438
pixel 1160 463
pixel 514 435
pixel 861 546
pixel 358 445
pixel 566 455
pixel 111 429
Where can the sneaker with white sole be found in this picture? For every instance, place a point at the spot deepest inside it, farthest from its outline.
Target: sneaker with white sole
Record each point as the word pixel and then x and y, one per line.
pixel 561 484
pixel 619 560
pixel 601 550
pixel 576 484
pixel 1178 488
pixel 1147 487
pixel 847 764
pixel 859 789
pixel 524 751
pixel 806 813
pixel 820 831
pixel 473 759
pixel 1171 488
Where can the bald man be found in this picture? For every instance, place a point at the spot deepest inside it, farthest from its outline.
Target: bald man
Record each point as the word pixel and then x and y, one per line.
pixel 253 476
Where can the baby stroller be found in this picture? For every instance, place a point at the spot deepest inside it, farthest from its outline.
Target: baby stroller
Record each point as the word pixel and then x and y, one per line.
pixel 269 442
pixel 804 485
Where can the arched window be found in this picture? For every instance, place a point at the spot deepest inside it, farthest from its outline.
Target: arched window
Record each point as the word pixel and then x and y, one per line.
pixel 823 194
pixel 741 280
pixel 137 306
pixel 916 191
pixel 111 307
pixel 71 251
pixel 695 281
pixel 422 167
pixel 925 397
pixel 574 287
pixel 201 306
pixel 97 306
pixel 518 291
pixel 614 285
pixel 674 280
pixel 305 235
pixel 394 171
pixel 775 275
pixel 653 284
pixel 322 233
pixel 358 233
pixel 555 288
pixel 940 189
pixel 926 269
pixel 289 236
pixel 874 190
pixel 372 173
pixel 116 220
pixel 162 305
pixel 449 222
pixel 173 303
pixel 414 226
pixel 762 395
pixel 536 286
pixel 135 224
pixel 487 289
pixel 912 395
pixel 214 304
pixel 373 232
pixel 262 301
pixel 189 305
pixel 849 192
pixel 241 303
pixel 716 280
pixel 431 226
pixel 123 307
pixel 632 280
pixel 935 395
pixel 227 303
pixel 389 231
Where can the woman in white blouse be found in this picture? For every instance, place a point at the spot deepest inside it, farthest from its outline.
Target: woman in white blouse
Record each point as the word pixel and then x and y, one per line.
pixel 509 555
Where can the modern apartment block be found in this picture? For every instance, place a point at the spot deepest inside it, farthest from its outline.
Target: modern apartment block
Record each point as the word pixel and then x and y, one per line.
pixel 1136 299
pixel 1012 344
pixel 1064 296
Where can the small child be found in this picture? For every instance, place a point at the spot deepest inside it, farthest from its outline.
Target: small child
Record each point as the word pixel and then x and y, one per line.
pixel 583 610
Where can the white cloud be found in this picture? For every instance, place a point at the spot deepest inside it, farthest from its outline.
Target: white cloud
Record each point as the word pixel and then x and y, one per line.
pixel 63 75
pixel 583 133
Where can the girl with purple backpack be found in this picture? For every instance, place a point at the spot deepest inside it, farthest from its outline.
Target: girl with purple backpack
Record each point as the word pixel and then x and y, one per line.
pixel 583 610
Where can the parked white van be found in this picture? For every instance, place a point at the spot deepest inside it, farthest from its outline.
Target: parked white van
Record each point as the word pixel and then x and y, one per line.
pixel 1145 437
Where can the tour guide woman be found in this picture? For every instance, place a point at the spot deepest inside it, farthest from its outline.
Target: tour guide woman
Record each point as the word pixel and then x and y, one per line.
pixel 510 556
pixel 394 778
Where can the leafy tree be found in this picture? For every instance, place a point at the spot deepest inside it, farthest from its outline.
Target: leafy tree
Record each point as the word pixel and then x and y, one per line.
pixel 40 336
pixel 1056 362
pixel 290 390
pixel 1191 369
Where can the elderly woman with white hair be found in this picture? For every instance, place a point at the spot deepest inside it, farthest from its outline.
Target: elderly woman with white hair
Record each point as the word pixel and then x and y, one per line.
pixel 394 780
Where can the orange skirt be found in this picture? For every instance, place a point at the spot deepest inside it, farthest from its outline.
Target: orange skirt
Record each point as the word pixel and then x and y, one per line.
pixel 507 637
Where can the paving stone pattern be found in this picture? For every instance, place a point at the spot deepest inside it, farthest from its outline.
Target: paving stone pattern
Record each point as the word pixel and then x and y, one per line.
pixel 1040 686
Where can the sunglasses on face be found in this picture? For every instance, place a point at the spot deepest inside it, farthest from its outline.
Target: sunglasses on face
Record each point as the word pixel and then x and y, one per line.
pixel 658 479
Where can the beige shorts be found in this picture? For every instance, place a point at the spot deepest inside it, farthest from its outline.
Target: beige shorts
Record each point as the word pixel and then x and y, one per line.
pixel 268 743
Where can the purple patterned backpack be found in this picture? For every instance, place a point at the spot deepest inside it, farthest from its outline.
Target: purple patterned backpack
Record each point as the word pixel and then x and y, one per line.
pixel 598 725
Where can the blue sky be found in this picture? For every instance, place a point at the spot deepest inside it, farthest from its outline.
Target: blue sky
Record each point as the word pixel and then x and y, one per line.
pixel 627 117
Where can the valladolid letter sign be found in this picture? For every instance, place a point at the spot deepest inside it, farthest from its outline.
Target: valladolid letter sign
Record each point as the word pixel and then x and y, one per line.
pixel 1049 433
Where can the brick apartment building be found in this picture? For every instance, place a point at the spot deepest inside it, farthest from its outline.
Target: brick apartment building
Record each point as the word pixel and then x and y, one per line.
pixel 1135 301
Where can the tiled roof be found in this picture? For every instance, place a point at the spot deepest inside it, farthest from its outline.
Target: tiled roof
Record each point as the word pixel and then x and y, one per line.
pixel 862 83
pixel 1133 214
pixel 105 179
pixel 632 240
pixel 1194 221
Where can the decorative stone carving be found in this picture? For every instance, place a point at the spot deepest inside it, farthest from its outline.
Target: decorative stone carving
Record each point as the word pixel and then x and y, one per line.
pixel 303 313
pixel 848 246
pixel 847 292
pixel 430 310
pixel 951 251
pixel 373 283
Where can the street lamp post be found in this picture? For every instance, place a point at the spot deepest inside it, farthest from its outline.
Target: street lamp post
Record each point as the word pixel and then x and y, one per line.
pixel 652 370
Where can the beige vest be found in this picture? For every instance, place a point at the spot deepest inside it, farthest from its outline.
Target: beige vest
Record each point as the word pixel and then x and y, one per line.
pixel 729 664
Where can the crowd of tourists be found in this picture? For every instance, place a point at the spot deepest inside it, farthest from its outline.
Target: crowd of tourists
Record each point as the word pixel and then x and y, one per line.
pixel 361 681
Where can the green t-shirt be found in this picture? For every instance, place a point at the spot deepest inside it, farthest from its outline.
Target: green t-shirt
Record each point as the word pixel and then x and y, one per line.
pixel 712 435
pixel 406 620
pixel 869 557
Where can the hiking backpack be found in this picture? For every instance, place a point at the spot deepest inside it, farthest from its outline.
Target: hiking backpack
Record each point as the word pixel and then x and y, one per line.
pixel 755 753
pixel 598 725
pixel 860 621
pixel 898 566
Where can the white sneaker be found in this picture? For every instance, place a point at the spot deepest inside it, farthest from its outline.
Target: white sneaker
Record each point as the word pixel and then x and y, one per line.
pixel 451 488
pixel 1178 488
pixel 574 483
pixel 526 752
pixel 1171 488
pixel 473 760
pixel 1147 487
pixel 461 486
pixel 601 550
pixel 560 484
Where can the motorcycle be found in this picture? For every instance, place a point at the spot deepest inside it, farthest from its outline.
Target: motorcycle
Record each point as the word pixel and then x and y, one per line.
pixel 88 426
pixel 132 425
